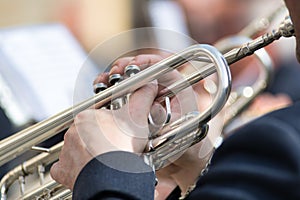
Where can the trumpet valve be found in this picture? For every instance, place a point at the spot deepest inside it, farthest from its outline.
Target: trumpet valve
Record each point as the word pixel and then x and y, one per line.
pixel 41 173
pixel 22 184
pixel 131 70
pixel 117 103
pixel 99 87
pixel 115 78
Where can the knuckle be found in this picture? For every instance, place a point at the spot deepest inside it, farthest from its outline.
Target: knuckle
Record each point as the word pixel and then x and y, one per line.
pixel 145 60
pixel 153 87
pixel 122 62
pixel 84 115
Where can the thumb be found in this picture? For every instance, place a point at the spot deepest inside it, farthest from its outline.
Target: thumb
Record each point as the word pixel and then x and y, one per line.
pixel 54 171
pixel 58 174
pixel 141 101
pixel 132 119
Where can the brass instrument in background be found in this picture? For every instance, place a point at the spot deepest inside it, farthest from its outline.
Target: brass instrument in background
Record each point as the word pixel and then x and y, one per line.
pixel 242 96
pixel 174 137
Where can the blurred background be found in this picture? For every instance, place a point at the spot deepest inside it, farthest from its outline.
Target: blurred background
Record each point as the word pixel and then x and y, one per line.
pixel 94 21
pixel 91 21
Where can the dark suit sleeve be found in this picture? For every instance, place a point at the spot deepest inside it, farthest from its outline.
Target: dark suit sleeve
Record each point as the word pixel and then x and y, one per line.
pixel 259 161
pixel 115 175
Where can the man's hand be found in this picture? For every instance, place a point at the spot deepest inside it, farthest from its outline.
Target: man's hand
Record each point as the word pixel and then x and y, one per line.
pixel 95 132
pixel 98 131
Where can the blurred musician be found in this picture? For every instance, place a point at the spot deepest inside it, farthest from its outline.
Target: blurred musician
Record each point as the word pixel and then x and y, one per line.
pixel 210 22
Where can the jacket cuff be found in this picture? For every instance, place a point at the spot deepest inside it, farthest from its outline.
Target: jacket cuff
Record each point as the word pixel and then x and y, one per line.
pixel 115 174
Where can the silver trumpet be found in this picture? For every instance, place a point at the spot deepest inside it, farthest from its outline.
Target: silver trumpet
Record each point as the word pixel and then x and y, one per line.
pixel 174 137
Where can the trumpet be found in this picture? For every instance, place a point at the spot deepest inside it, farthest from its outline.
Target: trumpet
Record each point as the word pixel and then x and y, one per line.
pixel 173 138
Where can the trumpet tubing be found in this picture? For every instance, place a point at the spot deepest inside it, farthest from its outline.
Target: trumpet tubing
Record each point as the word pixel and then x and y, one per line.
pixel 239 100
pixel 175 137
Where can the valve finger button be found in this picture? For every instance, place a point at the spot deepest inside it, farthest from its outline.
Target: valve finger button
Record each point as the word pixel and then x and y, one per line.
pixel 118 102
pixel 115 78
pixel 130 70
pixel 99 87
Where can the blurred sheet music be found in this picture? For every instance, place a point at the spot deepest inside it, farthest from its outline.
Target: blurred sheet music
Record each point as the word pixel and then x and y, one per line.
pixel 40 65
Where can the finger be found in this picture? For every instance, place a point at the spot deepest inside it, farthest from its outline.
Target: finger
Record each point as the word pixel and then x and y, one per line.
pixel 168 79
pixel 140 103
pixel 158 114
pixel 142 61
pixel 158 117
pixel 132 119
pixel 183 101
pixel 116 69
pixel 58 174
pixel 145 60
pixel 102 78
pixel 54 172
pixel 119 65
